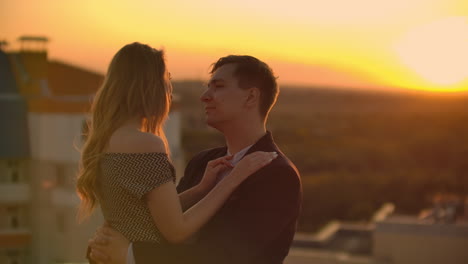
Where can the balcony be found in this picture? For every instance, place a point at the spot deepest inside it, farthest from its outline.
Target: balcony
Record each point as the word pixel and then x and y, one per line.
pixel 14 193
pixel 14 238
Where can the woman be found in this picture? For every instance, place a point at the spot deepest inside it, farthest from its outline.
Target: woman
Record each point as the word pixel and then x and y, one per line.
pixel 125 165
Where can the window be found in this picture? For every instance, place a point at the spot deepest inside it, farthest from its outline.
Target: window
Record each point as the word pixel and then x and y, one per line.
pixel 14 176
pixel 14 222
pixel 13 171
pixel 13 256
pixel 13 217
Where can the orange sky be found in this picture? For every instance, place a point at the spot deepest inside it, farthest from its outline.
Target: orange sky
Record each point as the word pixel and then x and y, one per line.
pixel 418 44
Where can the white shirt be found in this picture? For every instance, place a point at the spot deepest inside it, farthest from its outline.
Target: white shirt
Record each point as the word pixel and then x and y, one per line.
pixel 237 157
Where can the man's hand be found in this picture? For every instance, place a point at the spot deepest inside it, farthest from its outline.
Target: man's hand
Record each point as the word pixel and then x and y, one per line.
pixel 108 246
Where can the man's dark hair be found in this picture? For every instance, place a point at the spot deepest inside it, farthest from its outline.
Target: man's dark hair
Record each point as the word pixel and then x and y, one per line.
pixel 252 72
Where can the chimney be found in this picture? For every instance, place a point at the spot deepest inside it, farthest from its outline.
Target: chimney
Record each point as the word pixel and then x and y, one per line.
pixel 33 43
pixel 3 44
pixel 30 64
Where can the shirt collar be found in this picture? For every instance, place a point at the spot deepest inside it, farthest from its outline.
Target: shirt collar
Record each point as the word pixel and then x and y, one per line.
pixel 238 156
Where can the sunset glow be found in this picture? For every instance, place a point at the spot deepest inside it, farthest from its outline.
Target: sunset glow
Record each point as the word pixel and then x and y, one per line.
pixel 437 51
pixel 417 44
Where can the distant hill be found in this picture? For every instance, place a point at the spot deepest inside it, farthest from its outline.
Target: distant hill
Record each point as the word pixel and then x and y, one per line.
pixel 322 75
pixel 333 99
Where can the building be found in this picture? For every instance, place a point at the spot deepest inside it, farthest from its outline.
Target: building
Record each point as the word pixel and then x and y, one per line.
pixel 387 239
pixel 408 240
pixel 43 106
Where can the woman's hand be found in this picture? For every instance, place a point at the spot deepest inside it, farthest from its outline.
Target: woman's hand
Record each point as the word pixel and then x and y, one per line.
pixel 213 169
pixel 252 163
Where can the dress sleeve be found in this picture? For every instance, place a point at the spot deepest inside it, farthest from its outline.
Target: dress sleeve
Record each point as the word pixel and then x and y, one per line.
pixel 144 172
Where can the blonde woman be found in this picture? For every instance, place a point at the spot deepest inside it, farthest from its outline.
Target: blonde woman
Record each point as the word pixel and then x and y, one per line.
pixel 125 165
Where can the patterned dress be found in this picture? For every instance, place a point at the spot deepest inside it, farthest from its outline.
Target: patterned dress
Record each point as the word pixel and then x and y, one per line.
pixel 124 181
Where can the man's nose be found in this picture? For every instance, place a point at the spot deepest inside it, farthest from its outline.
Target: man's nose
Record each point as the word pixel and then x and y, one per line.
pixel 206 96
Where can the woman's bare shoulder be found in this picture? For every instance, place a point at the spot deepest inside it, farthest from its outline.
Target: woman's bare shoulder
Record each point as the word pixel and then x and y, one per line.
pixel 135 142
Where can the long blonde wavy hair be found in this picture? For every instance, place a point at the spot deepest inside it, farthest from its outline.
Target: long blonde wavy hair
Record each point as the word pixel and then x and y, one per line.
pixel 136 85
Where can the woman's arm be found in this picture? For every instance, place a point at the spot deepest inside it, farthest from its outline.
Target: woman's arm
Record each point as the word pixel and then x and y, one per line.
pixel 196 193
pixel 176 225
pixel 192 196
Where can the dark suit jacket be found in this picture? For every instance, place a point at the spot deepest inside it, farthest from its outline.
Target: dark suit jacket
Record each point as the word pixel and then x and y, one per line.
pixel 255 225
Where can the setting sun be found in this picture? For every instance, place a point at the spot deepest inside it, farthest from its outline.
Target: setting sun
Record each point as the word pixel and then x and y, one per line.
pixel 437 51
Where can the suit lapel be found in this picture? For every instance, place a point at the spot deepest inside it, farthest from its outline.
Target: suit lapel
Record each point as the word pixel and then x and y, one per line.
pixel 265 143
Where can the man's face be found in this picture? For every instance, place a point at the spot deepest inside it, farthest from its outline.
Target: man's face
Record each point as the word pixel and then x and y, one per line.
pixel 224 100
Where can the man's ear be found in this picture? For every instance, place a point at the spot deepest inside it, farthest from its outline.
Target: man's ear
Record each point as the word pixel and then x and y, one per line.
pixel 253 96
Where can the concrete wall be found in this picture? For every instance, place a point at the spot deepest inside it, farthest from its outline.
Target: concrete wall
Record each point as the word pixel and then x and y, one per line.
pixel 53 136
pixel 56 234
pixel 416 243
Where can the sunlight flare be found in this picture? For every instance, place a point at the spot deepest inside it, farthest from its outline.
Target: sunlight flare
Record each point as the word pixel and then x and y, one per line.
pixel 438 51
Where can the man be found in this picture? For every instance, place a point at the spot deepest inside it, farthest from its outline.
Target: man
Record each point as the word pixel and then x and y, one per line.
pixel 258 222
